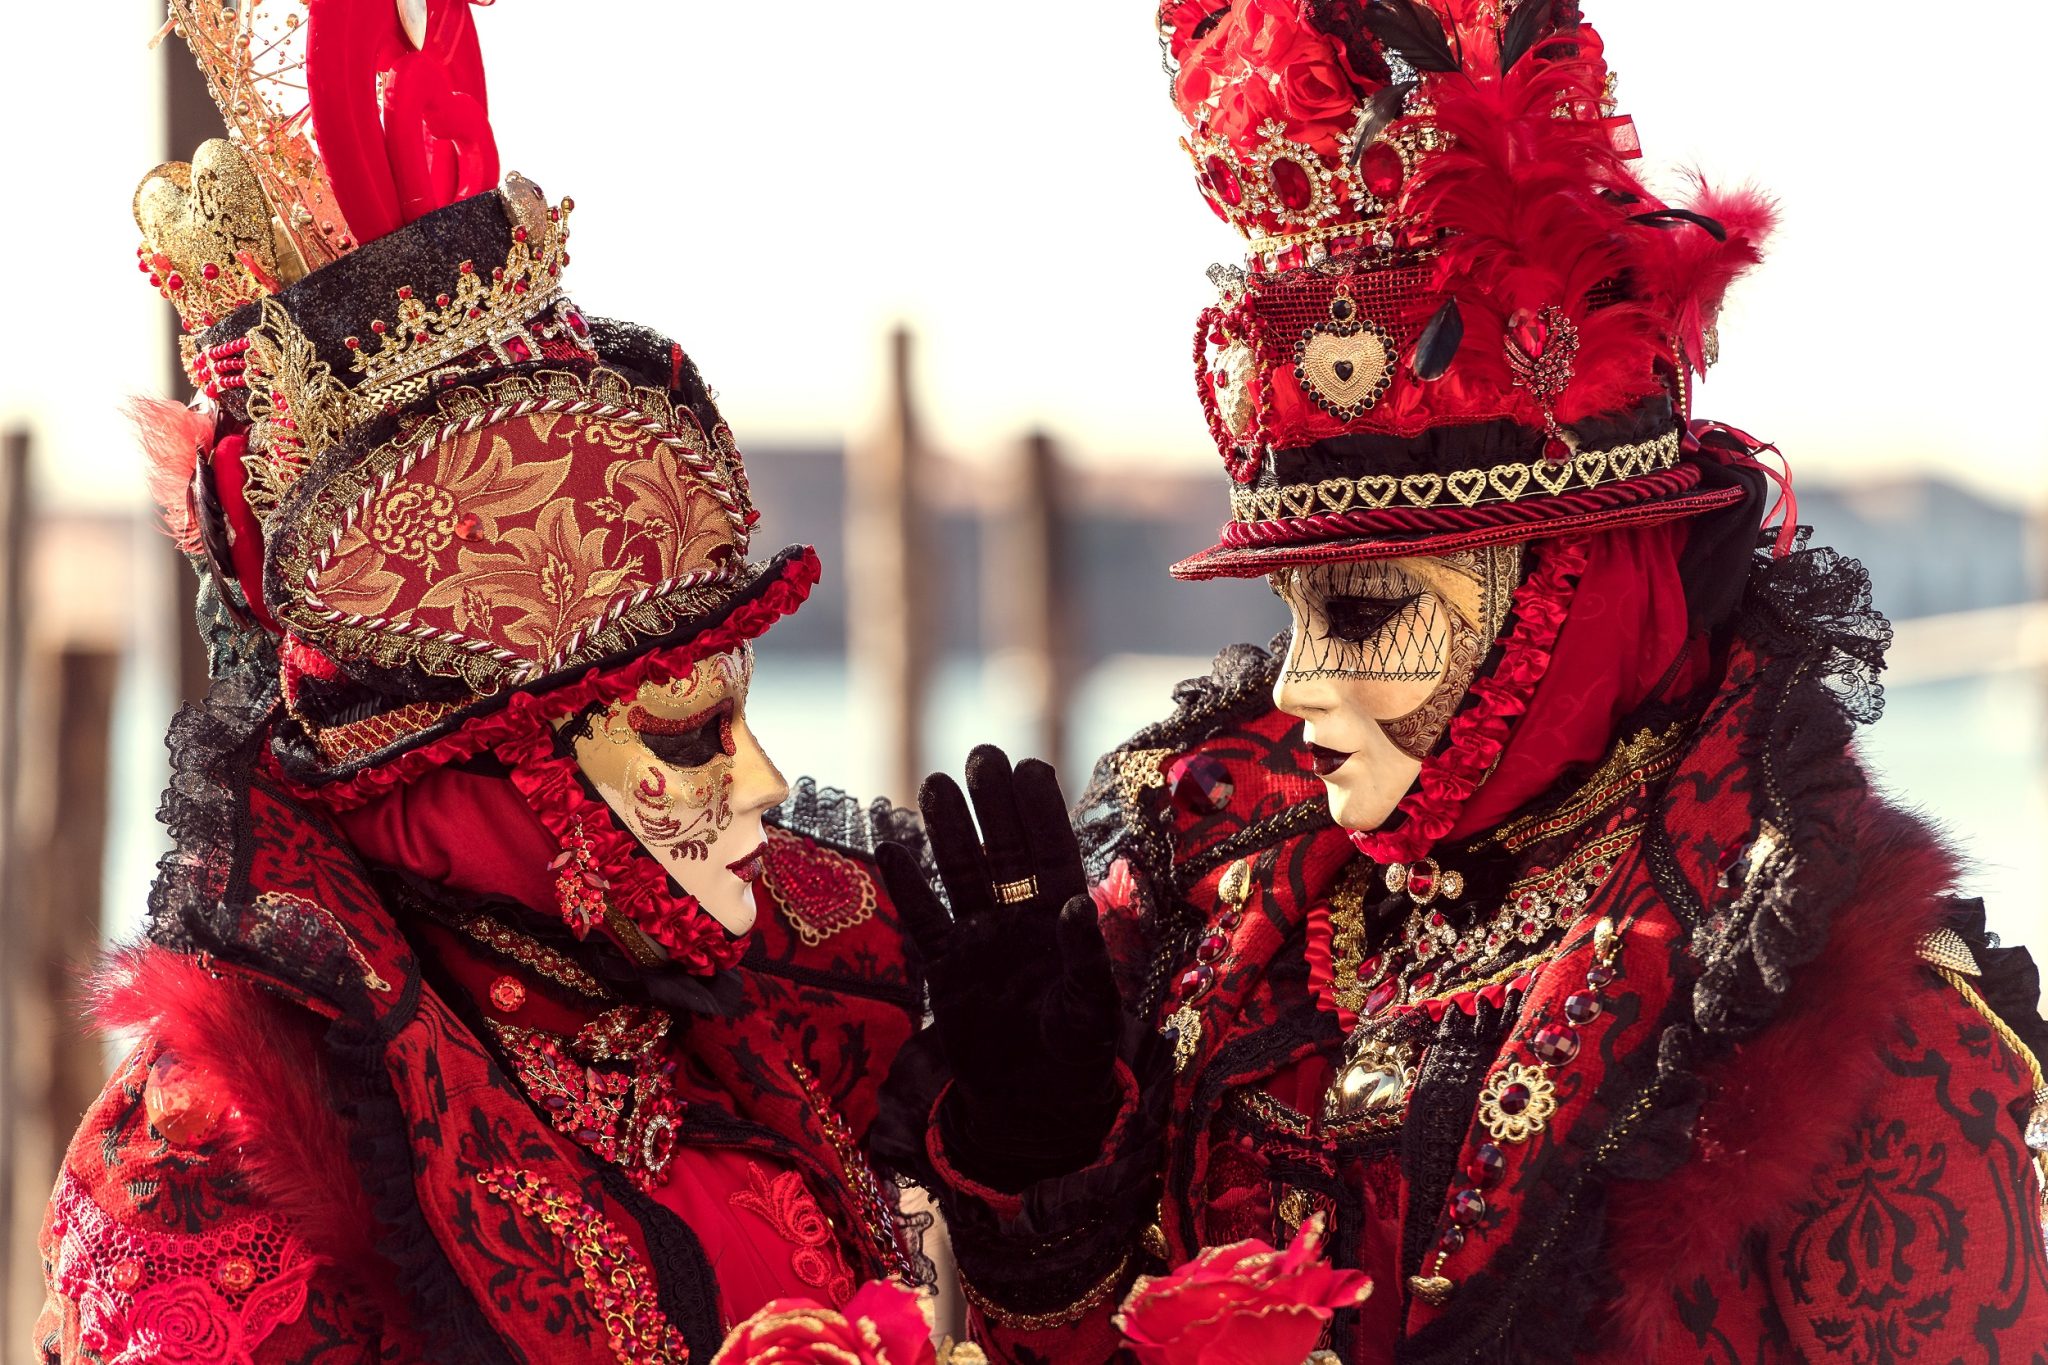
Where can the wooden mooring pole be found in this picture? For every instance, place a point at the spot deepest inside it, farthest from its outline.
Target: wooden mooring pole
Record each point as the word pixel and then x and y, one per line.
pixel 890 626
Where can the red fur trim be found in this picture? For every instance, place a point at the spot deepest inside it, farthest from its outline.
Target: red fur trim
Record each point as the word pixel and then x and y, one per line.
pixel 173 437
pixel 1480 731
pixel 280 1125
pixel 1781 1098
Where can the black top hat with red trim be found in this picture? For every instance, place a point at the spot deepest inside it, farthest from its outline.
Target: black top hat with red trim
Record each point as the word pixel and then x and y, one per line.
pixel 1464 320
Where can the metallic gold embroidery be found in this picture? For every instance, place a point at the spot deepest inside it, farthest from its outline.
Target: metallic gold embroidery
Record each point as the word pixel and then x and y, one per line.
pixel 619 1287
pixel 1506 482
pixel 1646 757
pixel 298 406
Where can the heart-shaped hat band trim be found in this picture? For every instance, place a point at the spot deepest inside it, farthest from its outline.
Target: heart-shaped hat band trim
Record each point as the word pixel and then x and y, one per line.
pixel 1499 483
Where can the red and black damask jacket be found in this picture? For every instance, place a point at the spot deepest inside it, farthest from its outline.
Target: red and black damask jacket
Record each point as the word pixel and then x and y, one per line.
pixel 366 1122
pixel 1752 1086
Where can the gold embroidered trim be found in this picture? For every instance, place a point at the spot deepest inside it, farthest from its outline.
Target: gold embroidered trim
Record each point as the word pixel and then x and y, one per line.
pixel 1645 758
pixel 1058 1317
pixel 1501 483
pixel 527 952
pixel 615 1282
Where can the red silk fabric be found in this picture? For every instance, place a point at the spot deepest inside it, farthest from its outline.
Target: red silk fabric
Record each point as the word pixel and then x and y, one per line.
pixel 1627 627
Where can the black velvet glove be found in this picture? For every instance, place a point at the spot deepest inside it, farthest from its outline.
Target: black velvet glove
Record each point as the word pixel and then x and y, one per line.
pixel 1023 1002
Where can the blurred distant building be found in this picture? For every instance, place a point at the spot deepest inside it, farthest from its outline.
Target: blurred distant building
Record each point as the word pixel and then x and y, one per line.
pixel 1931 547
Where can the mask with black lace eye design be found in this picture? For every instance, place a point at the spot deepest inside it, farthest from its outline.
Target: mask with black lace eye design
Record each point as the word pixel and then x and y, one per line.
pixel 1366 619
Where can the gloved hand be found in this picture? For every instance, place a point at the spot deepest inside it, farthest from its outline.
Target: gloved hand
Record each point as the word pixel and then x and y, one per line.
pixel 1023 1000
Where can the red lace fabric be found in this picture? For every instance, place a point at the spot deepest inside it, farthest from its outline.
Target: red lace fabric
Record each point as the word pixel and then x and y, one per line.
pixel 788 1207
pixel 161 1298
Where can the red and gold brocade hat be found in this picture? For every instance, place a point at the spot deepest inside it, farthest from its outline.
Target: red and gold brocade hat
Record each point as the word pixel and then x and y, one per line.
pixel 445 504
pixel 1463 319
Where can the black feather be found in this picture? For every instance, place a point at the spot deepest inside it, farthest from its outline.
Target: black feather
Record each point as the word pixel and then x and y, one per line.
pixel 1532 21
pixel 1380 110
pixel 1439 343
pixel 1673 217
pixel 1411 29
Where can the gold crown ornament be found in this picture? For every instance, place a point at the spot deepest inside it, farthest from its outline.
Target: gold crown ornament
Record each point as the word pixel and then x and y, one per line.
pixel 209 243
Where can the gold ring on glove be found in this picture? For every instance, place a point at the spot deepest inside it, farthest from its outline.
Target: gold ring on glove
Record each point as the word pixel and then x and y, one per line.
pixel 1017 892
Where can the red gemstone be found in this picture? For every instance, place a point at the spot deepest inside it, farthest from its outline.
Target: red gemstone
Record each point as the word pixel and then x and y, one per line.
pixel 1381 171
pixel 1514 1099
pixel 1200 783
pixel 1467 1207
pixel 378 327
pixel 1195 981
pixel 1600 976
pixel 1211 948
pixel 468 527
pixel 1421 883
pixel 209 271
pixel 577 324
pixel 1291 183
pixel 1228 921
pixel 1556 1043
pixel 1582 1008
pixel 405 291
pixel 1381 997
pixel 1556 450
pixel 1369 968
pixel 175 283
pixel 1452 1240
pixel 1486 1166
pixel 516 349
pixel 1425 983
pixel 1223 180
pixel 440 300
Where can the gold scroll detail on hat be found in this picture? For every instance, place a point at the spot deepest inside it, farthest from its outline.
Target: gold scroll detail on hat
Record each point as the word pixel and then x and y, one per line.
pixel 1507 482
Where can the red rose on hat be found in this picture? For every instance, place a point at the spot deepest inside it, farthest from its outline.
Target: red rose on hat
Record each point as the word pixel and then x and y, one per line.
pixel 880 1323
pixel 1242 1304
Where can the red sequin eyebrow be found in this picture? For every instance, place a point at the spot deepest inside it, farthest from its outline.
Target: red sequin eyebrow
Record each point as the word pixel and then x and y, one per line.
pixel 646 722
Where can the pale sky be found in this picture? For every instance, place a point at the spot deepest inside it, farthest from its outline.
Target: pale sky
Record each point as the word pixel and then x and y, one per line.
pixel 774 184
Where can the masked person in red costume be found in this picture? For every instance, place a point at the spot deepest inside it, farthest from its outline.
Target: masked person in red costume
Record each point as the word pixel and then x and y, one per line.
pixel 1524 917
pixel 498 1002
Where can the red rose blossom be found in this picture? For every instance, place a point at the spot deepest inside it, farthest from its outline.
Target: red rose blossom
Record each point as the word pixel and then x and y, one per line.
pixel 880 1325
pixel 1242 1304
pixel 1235 63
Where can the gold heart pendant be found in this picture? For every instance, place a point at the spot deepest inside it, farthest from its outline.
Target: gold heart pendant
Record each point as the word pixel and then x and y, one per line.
pixel 1347 363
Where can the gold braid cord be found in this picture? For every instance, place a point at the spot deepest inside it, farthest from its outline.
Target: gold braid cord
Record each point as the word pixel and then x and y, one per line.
pixel 1058 1317
pixel 1938 951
